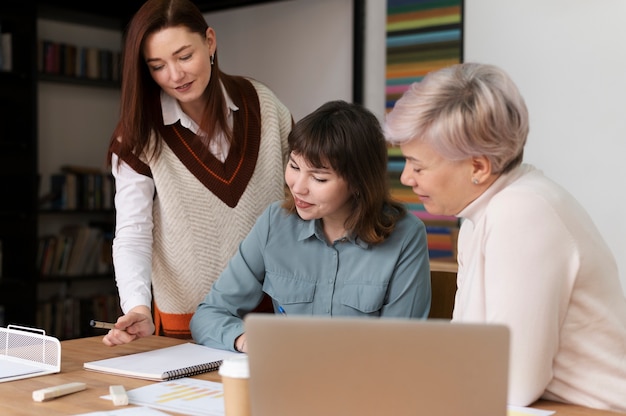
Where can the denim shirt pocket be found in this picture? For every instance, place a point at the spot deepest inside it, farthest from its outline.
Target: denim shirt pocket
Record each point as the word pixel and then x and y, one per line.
pixel 287 290
pixel 367 299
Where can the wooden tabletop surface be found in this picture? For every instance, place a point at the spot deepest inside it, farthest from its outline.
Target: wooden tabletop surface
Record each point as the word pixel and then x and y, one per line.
pixel 16 396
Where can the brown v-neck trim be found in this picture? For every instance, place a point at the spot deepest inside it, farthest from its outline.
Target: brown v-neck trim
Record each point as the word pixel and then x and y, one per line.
pixel 227 180
pixel 131 160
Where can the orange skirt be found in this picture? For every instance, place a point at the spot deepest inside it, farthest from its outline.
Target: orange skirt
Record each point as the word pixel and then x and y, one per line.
pixel 174 325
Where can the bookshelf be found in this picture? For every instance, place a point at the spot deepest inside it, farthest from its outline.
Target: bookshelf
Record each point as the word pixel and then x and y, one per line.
pixel 38 135
pixel 78 96
pixel 18 163
pixel 62 300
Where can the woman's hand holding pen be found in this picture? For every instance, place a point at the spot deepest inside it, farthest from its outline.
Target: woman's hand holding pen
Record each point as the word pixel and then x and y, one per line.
pixel 137 323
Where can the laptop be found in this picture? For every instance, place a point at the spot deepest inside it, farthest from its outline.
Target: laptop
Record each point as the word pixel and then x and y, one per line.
pixel 303 365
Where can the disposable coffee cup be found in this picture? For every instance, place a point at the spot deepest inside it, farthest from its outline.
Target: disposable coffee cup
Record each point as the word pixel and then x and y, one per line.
pixel 235 374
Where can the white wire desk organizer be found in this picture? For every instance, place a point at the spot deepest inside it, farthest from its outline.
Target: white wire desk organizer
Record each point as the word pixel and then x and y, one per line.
pixel 27 352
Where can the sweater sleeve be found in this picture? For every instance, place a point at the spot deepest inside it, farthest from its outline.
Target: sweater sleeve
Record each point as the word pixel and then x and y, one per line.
pixel 527 271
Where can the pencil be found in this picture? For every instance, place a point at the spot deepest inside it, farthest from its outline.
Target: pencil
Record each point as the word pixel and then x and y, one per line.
pixel 100 324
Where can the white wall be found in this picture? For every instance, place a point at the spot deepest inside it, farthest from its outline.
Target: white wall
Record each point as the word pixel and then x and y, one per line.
pixel 375 57
pixel 75 122
pixel 569 60
pixel 567 57
pixel 301 49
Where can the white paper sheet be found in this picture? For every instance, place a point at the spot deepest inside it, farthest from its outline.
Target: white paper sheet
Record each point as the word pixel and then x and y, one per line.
pixel 11 369
pixel 189 396
pixel 128 411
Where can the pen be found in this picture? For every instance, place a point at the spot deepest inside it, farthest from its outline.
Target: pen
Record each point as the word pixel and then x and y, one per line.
pixel 281 310
pixel 100 324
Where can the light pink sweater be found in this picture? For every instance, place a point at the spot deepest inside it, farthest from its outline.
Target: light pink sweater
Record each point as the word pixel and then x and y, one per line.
pixel 531 257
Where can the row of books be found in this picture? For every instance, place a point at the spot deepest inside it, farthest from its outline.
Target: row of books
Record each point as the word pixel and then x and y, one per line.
pixel 6 52
pixel 77 250
pixel 69 60
pixel 80 191
pixel 68 318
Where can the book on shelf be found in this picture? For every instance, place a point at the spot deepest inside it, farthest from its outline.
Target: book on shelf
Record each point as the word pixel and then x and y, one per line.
pixel 76 250
pixel 46 252
pixel 68 317
pixel 87 242
pixel 80 189
pixel 92 63
pixel 59 58
pixel 178 361
pixel 6 52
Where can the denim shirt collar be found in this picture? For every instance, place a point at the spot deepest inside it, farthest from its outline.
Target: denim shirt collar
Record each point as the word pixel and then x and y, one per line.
pixel 314 228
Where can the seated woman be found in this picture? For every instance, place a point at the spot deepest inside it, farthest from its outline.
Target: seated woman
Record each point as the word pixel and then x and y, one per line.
pixel 529 255
pixel 338 245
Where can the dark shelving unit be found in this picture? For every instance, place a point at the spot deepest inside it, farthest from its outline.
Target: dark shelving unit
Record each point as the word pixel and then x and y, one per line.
pixel 19 179
pixel 18 165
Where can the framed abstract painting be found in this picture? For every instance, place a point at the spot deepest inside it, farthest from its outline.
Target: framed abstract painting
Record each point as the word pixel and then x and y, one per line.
pixel 421 36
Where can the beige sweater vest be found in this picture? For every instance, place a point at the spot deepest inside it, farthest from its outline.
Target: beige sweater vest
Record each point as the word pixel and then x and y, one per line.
pixel 195 232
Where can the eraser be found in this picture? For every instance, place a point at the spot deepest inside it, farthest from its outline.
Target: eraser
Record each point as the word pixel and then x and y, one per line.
pixel 118 395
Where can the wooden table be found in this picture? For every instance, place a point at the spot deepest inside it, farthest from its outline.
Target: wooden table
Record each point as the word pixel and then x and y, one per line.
pixel 16 396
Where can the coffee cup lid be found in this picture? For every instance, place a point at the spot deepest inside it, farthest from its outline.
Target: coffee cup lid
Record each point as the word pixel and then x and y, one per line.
pixel 236 367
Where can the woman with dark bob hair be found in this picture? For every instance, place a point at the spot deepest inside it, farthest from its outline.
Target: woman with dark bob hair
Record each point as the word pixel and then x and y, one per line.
pixel 337 245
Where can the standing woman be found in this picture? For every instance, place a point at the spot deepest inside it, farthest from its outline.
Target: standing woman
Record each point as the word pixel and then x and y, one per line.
pixel 529 255
pixel 197 156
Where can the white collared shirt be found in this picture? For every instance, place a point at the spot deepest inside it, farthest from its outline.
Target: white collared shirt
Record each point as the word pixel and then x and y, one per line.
pixel 172 112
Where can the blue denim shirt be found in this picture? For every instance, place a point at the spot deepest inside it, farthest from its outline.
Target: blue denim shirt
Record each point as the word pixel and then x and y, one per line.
pixel 290 260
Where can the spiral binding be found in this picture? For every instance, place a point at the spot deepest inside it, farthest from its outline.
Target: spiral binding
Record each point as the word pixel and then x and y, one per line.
pixel 192 370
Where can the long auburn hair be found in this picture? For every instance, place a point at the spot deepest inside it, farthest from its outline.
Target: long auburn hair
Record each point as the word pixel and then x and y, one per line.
pixel 140 105
pixel 348 138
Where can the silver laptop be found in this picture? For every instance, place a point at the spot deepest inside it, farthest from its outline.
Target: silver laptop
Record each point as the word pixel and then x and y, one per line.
pixel 323 366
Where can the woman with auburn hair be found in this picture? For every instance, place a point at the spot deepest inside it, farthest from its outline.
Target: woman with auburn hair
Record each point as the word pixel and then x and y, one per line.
pixel 197 156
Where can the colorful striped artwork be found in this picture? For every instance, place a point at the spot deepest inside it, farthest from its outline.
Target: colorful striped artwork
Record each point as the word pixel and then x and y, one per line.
pixel 441 229
pixel 422 36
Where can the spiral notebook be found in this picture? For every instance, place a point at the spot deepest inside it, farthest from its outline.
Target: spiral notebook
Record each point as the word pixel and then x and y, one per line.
pixel 182 360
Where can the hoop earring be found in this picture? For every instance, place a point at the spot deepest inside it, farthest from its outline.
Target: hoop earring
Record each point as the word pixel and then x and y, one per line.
pixel 212 59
